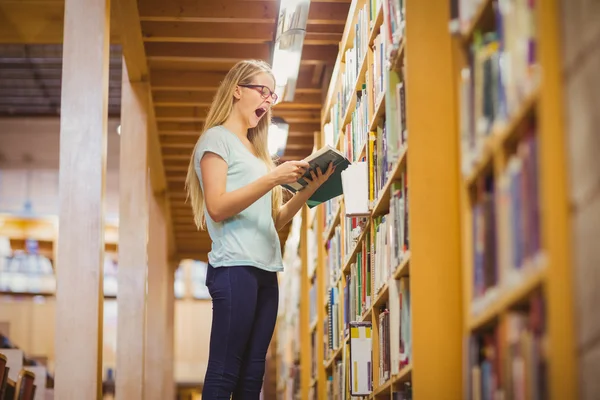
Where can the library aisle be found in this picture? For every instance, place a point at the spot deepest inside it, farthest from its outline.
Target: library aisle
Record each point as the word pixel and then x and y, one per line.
pixel 468 273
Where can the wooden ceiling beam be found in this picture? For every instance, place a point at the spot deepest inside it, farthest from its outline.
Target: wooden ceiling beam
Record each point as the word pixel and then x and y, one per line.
pixel 196 114
pixel 227 11
pixel 207 32
pixel 187 148
pixel 173 80
pixel 194 128
pixel 222 11
pixel 134 56
pixel 189 140
pixel 198 98
pixel 216 52
pixel 208 52
pixel 38 22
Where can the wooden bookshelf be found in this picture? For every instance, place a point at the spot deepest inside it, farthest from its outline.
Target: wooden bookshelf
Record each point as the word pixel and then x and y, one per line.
pixel 463 284
pixel 517 281
pixel 432 364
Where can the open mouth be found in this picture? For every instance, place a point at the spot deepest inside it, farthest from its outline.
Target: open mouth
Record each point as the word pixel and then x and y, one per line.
pixel 260 112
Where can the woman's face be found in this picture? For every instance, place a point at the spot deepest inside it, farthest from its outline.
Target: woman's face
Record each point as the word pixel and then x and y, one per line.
pixel 255 99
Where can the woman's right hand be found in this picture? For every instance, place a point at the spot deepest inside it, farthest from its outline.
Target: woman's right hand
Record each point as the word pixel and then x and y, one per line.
pixel 290 171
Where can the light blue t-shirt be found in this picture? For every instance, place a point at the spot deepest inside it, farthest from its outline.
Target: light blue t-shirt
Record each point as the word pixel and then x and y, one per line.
pixel 249 238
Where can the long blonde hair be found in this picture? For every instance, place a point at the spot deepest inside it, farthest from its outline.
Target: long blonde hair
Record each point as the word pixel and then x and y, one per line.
pixel 242 73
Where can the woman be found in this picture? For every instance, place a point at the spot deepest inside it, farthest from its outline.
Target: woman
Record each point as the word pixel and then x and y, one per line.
pixel 235 193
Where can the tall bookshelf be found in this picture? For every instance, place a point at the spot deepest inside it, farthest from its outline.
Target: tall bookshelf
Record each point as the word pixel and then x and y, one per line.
pixel 518 303
pixel 462 262
pixel 398 265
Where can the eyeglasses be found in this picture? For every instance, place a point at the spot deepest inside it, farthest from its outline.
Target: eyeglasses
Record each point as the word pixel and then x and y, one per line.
pixel 263 90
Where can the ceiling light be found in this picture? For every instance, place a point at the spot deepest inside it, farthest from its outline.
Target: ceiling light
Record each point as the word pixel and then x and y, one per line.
pixel 278 134
pixel 289 40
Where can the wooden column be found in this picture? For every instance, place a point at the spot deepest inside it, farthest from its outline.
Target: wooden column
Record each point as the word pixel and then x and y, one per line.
pixel 80 255
pixel 305 351
pixel 169 357
pixel 133 240
pixel 157 325
pixel 433 173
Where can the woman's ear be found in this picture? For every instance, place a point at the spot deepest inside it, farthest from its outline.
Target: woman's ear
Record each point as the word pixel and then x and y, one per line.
pixel 237 92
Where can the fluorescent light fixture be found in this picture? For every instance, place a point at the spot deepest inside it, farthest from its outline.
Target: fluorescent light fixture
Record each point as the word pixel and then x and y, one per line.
pixel 287 53
pixel 119 129
pixel 278 134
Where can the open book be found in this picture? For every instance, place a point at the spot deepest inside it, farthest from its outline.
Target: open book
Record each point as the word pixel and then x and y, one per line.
pixel 333 186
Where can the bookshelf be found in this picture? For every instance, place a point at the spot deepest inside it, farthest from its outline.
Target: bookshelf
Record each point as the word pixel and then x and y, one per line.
pixel 470 189
pixel 382 267
pixel 518 303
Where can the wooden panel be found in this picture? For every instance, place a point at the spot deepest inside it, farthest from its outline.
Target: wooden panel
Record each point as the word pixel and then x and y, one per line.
pixel 192 80
pixel 199 11
pixel 128 19
pixel 305 337
pixel 35 22
pixel 264 12
pixel 231 52
pixel 82 169
pixel 563 374
pixel 434 200
pixel 157 313
pixel 183 98
pixel 194 128
pixel 133 228
pixel 191 114
pixel 207 32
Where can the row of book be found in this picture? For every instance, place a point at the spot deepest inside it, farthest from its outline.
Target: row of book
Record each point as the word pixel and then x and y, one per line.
pixel 506 222
pixel 395 339
pixel 508 360
pixel 391 234
pixel 288 316
pixel 502 73
pixel 368 244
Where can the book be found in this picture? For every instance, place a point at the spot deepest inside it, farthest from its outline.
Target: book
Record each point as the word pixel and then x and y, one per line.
pixel 333 186
pixel 355 183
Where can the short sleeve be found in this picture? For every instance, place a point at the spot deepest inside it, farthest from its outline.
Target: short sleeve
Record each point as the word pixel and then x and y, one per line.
pixel 213 141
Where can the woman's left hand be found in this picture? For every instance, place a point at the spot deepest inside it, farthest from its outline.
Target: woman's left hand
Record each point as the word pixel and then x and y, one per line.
pixel 319 178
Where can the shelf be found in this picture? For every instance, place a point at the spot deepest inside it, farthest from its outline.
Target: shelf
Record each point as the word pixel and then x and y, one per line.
pixel 395 58
pixel 383 295
pixel 403 269
pixel 360 80
pixel 483 18
pixel 378 112
pixel 363 151
pixel 531 279
pixel 377 24
pixel 381 389
pixel 331 228
pixel 404 375
pixel 383 203
pixel 336 355
pixel 356 248
pixel 494 144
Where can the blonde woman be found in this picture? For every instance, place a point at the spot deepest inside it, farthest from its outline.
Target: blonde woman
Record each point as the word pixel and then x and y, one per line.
pixel 235 192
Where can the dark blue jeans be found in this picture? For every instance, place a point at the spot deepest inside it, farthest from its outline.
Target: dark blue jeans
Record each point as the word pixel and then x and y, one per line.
pixel 245 301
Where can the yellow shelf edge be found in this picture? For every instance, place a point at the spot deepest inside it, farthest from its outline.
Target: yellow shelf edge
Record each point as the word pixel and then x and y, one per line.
pixel 532 277
pixel 494 143
pixel 383 199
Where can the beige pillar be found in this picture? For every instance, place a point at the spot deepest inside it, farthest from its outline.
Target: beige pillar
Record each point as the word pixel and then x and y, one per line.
pixel 133 240
pixel 156 364
pixel 80 255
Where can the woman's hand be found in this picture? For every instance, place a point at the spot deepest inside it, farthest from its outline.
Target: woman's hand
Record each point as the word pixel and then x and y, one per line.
pixel 319 178
pixel 290 171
